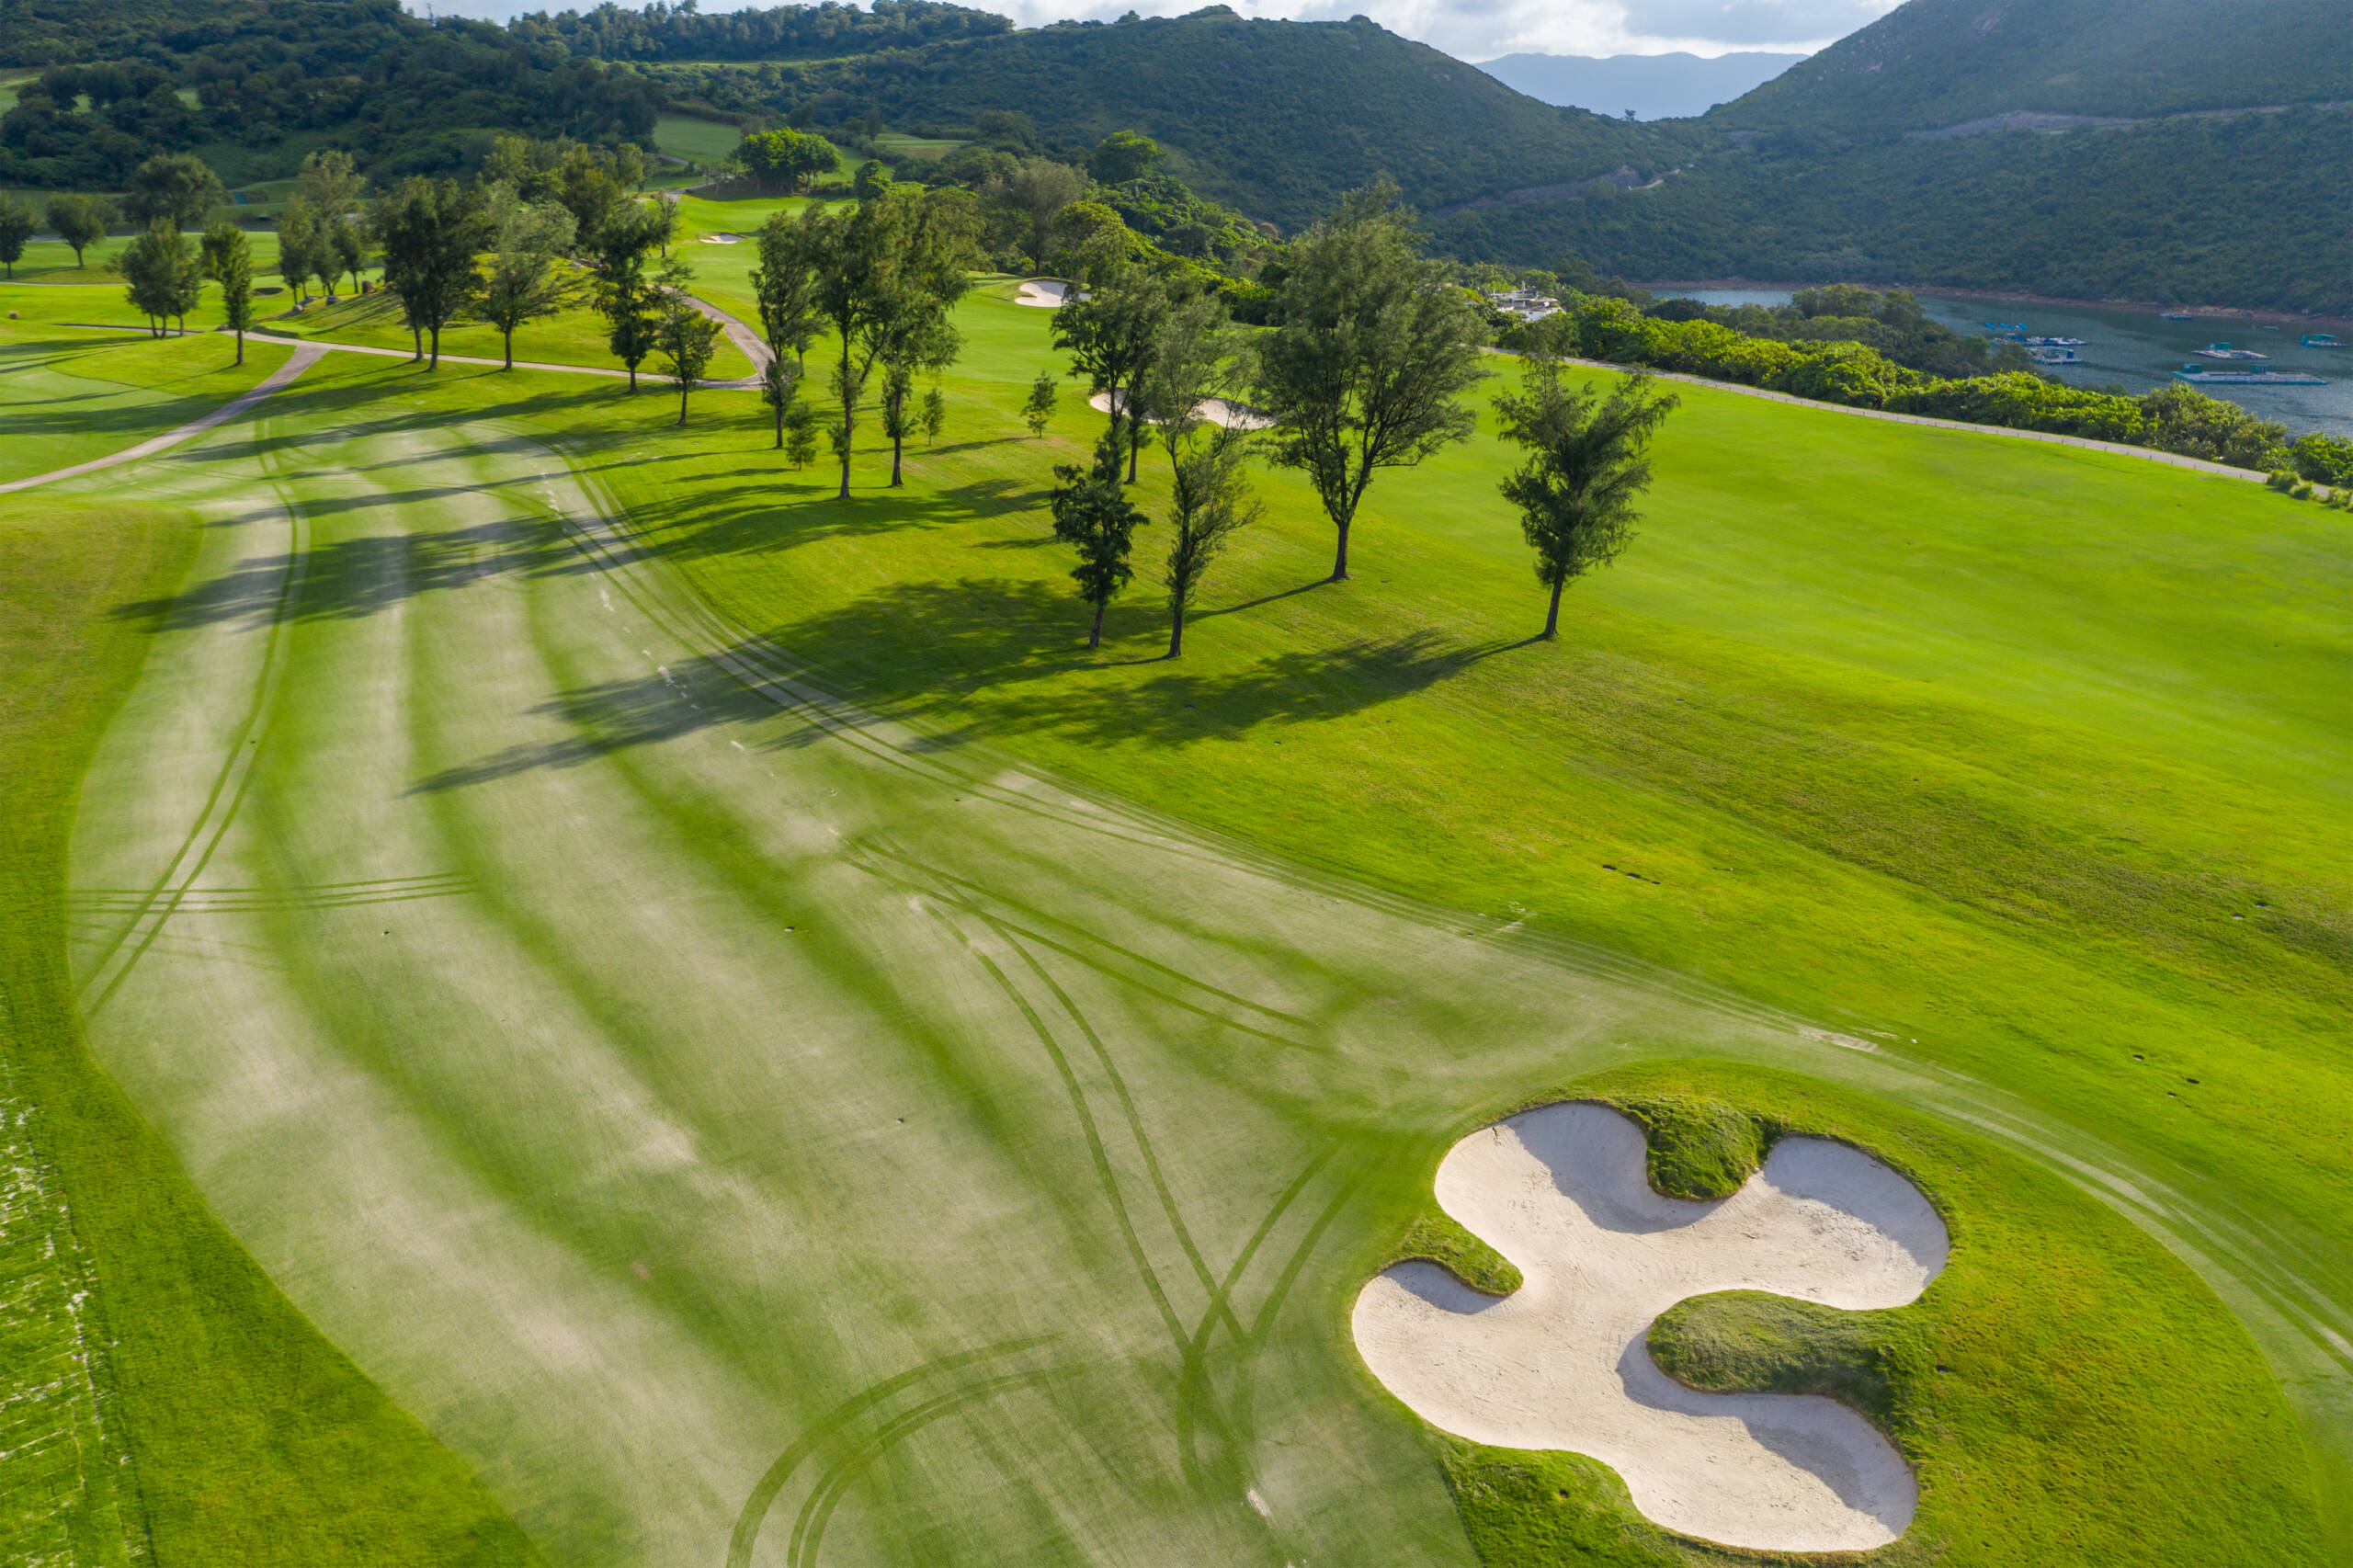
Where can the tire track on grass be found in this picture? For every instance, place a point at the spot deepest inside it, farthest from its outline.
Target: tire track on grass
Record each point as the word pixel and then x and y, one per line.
pixel 153 910
pixel 772 1481
pixel 817 1511
pixel 2311 1313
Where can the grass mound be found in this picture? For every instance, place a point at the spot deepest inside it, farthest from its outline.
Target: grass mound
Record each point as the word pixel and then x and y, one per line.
pixel 1437 1237
pixel 1747 1341
pixel 1698 1149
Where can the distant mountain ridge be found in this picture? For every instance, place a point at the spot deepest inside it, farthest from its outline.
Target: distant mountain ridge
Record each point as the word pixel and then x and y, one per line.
pixel 1655 86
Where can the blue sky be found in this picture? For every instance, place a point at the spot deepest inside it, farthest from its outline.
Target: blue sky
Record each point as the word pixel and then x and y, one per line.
pixel 1468 30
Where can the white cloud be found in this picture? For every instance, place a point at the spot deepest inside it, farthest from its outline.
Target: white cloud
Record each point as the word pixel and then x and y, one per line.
pixel 1469 30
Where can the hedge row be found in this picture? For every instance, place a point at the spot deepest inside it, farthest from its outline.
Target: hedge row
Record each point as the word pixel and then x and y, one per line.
pixel 2174 418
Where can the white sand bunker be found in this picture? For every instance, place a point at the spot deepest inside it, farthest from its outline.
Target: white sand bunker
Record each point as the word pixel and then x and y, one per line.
pixel 1047 293
pixel 1216 410
pixel 1562 1363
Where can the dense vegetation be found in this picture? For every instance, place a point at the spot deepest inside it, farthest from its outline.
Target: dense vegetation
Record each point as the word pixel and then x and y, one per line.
pixel 272 83
pixel 2220 211
pixel 2173 418
pixel 1277 118
pixel 1946 63
pixel 785 32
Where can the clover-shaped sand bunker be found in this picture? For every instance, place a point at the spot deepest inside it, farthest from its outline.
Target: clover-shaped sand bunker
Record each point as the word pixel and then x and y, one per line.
pixel 1563 1362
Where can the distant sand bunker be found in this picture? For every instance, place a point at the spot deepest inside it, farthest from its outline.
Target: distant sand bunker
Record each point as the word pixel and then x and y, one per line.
pixel 1563 1362
pixel 1048 293
pixel 1216 410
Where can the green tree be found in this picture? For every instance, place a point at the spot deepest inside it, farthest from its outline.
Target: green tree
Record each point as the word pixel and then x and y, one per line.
pixel 432 231
pixel 800 436
pixel 1197 364
pixel 1110 334
pixel 1036 191
pixel 785 158
pixel 684 337
pixel 176 187
pixel 935 416
pixel 785 288
pixel 1094 516
pixel 1587 467
pixel 1370 349
pixel 80 220
pixel 878 274
pixel 1039 407
pixel 1122 156
pixel 302 253
pixel 919 337
pixel 873 178
pixel 525 277
pixel 164 274
pixel 228 260
pixel 333 187
pixel 16 228
pixel 624 249
pixel 780 386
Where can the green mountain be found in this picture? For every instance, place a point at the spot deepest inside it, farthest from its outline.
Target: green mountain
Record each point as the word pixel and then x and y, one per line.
pixel 1937 64
pixel 1277 118
pixel 2188 150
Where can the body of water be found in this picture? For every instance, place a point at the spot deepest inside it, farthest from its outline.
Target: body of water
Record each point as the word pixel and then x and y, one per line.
pixel 2138 351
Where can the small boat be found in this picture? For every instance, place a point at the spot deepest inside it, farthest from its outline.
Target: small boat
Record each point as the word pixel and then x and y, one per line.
pixel 2224 351
pixel 2175 315
pixel 2198 375
pixel 2053 355
pixel 2320 340
pixel 2006 329
pixel 2054 343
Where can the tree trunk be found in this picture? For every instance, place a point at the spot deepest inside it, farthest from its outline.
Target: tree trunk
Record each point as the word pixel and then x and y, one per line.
pixel 241 345
pixel 632 378
pixel 779 424
pixel 898 445
pixel 849 410
pixel 416 338
pixel 1553 616
pixel 1177 628
pixel 509 335
pixel 1094 636
pixel 1135 446
pixel 684 385
pixel 435 363
pixel 1340 561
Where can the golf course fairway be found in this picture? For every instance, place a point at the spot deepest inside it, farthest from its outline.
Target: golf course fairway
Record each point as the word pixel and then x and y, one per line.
pixel 770 1054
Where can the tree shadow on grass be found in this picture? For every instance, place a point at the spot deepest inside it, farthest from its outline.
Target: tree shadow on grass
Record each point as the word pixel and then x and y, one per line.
pixel 916 652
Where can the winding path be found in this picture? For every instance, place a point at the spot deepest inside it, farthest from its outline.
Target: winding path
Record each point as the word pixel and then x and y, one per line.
pixel 302 358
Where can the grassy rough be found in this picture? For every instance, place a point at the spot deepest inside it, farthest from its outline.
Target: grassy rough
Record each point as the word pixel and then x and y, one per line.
pixel 1742 1341
pixel 1438 1237
pixel 1698 1149
pixel 254 1441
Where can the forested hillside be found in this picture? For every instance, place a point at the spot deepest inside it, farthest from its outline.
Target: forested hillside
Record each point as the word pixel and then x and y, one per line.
pixel 270 82
pixel 1277 118
pixel 2235 210
pixel 1940 63
pixel 785 32
pixel 2099 148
